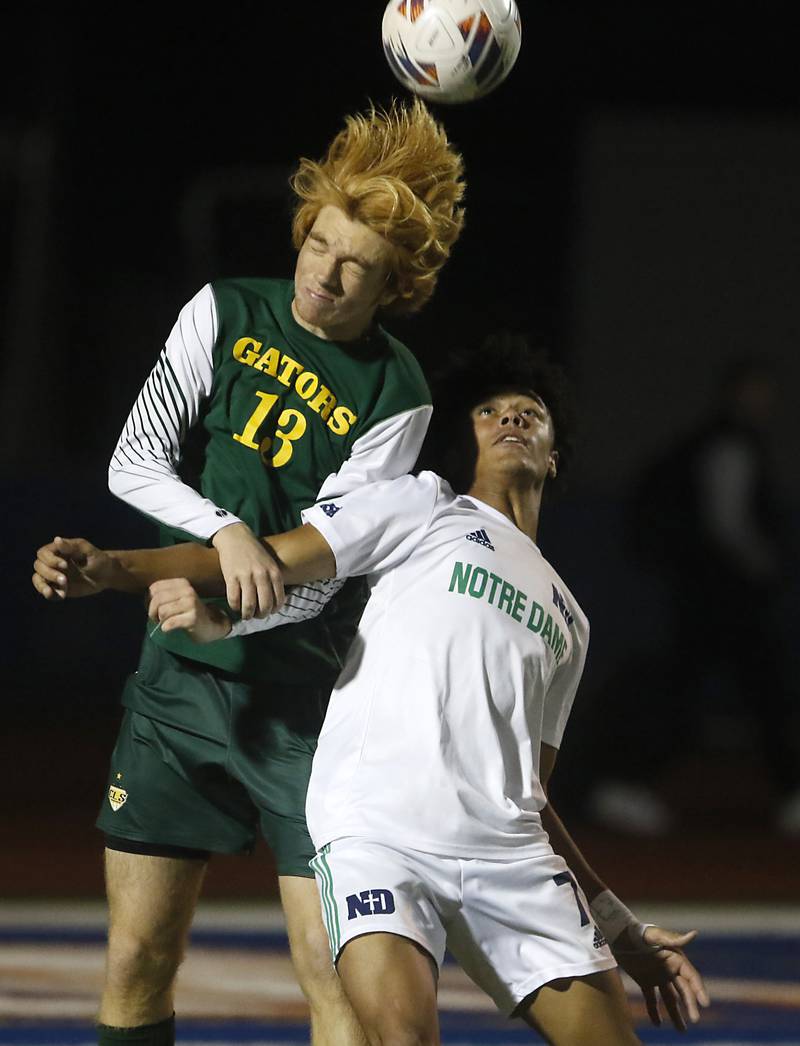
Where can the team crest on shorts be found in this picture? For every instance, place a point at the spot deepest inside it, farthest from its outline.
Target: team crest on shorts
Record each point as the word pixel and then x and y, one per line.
pixel 117 797
pixel 370 902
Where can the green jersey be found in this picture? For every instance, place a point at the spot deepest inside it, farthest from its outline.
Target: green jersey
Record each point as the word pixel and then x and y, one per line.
pixel 284 419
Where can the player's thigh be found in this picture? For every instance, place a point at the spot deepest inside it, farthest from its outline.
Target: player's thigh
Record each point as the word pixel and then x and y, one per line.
pixel 151 900
pixel 170 787
pixel 274 767
pixel 367 887
pixel 384 911
pixel 524 923
pixel 581 1011
pixel 391 984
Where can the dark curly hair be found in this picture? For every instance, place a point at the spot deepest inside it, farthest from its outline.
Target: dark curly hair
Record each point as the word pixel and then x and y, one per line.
pixel 503 361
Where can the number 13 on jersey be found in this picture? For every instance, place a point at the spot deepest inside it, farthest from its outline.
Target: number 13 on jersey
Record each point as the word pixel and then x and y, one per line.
pixel 291 426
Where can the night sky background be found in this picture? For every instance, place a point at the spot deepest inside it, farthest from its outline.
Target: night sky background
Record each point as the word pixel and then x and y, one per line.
pixel 632 204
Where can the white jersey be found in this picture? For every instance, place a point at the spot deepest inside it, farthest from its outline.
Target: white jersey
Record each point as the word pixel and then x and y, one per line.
pixel 467 658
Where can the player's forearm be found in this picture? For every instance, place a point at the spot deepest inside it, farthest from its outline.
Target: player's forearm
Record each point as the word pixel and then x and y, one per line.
pixel 563 844
pixel 616 922
pixel 303 554
pixel 134 570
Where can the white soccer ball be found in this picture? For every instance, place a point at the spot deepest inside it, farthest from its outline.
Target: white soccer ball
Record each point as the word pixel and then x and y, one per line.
pixel 451 50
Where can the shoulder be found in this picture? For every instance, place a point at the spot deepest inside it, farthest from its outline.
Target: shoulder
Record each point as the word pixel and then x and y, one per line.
pixel 426 487
pixel 461 503
pixel 250 292
pixel 404 374
pixel 408 496
pixel 194 332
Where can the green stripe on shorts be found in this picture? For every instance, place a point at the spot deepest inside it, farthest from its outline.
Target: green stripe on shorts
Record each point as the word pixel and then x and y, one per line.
pixel 329 911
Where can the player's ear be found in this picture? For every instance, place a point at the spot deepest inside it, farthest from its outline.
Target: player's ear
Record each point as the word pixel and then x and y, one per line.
pixel 552 464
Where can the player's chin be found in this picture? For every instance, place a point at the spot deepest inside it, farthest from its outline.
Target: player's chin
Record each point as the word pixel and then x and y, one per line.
pixel 513 455
pixel 312 307
pixel 518 465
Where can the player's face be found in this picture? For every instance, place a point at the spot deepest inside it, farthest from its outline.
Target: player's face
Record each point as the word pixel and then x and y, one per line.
pixel 341 276
pixel 515 436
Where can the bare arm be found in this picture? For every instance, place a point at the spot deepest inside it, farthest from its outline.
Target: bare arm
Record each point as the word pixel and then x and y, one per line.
pixel 560 839
pixel 134 570
pixel 174 602
pixel 303 555
pixel 652 956
pixel 73 567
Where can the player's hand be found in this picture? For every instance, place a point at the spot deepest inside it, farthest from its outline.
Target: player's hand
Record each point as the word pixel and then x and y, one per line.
pixel 68 568
pixel 175 604
pixel 661 969
pixel 253 579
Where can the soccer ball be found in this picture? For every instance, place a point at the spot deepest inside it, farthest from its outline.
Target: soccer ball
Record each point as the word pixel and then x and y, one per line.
pixel 451 50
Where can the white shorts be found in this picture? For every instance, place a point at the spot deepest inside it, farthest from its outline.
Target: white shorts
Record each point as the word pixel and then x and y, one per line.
pixel 511 925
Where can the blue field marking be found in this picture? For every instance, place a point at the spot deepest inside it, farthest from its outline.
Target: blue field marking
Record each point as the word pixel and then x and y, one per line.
pixel 732 955
pixel 190 1033
pixel 719 1037
pixel 764 964
pixel 728 955
pixel 241 1034
pixel 735 1024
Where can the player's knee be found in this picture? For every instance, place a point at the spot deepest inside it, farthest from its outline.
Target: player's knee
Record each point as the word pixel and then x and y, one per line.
pixel 315 971
pixel 135 962
pixel 311 958
pixel 396 1030
pixel 593 1033
pixel 626 1036
pixel 621 1035
pixel 397 1020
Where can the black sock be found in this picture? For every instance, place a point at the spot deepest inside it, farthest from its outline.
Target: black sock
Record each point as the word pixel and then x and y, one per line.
pixel 161 1034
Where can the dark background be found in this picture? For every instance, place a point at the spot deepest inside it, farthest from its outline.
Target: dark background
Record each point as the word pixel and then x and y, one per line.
pixel 632 204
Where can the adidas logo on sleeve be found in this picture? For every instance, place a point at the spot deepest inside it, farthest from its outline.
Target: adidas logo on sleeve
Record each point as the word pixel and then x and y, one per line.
pixel 481 538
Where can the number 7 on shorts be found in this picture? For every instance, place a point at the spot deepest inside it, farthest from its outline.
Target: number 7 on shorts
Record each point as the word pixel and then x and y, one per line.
pixel 568 879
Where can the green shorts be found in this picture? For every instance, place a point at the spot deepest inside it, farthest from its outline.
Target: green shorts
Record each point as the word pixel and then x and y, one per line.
pixel 244 769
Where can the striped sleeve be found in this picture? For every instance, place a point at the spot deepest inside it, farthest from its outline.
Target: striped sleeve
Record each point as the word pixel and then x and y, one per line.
pixel 302 603
pixel 143 468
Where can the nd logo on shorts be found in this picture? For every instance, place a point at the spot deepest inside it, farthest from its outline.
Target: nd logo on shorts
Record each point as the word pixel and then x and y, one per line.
pixel 370 902
pixel 117 797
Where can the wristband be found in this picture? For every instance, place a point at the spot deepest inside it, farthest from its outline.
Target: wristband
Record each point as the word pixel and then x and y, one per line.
pixel 613 918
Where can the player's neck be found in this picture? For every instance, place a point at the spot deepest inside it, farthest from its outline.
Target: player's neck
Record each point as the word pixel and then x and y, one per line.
pixel 519 504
